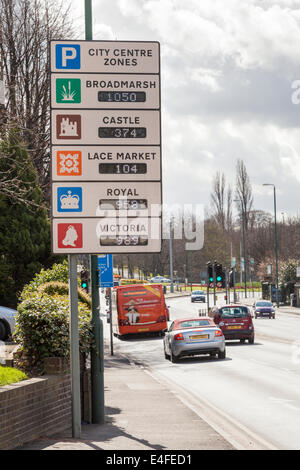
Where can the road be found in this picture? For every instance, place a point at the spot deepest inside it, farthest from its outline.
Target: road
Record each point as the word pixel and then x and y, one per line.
pixel 252 397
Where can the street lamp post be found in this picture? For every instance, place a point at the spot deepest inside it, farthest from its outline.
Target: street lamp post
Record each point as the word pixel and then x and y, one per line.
pixel 275 240
pixel 244 243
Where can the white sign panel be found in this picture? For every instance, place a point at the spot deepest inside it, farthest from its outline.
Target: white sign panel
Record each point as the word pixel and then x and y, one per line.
pixel 104 57
pixel 106 138
pixel 106 199
pixel 105 91
pixel 106 235
pixel 105 127
pixel 106 163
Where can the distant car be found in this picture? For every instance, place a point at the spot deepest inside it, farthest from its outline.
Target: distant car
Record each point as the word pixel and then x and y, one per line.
pixel 193 336
pixel 198 296
pixel 159 279
pixel 263 308
pixel 235 321
pixel 7 322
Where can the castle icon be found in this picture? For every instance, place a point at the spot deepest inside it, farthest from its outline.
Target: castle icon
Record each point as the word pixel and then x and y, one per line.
pixel 68 128
pixel 69 201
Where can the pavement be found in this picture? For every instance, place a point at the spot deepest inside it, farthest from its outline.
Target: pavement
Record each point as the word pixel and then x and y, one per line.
pixel 141 413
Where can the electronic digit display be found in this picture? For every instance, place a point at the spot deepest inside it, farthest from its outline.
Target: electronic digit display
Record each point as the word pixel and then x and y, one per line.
pixel 123 168
pixel 123 204
pixel 122 132
pixel 124 240
pixel 122 96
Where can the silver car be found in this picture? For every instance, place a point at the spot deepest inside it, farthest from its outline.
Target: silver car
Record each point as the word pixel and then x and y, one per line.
pixel 7 322
pixel 194 336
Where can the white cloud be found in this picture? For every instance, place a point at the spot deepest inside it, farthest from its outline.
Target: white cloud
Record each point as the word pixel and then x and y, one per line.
pixel 227 74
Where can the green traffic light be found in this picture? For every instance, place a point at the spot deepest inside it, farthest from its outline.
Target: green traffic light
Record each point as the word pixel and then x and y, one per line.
pixel 219 278
pixel 84 285
pixel 211 279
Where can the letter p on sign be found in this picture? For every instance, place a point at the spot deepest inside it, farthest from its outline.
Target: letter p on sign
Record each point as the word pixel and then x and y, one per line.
pixel 67 56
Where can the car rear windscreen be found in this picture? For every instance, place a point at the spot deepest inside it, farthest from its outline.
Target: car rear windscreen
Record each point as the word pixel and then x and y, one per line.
pixel 233 312
pixel 194 323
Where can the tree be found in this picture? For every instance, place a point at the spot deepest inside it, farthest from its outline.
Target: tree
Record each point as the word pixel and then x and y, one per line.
pixel 243 191
pixel 222 202
pixel 26 26
pixel 24 227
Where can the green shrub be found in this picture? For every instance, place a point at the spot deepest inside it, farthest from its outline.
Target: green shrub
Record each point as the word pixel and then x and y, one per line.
pixel 9 375
pixel 42 329
pixel 58 272
pixel 62 288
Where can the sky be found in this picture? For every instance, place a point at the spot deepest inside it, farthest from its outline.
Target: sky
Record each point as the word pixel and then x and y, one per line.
pixel 230 89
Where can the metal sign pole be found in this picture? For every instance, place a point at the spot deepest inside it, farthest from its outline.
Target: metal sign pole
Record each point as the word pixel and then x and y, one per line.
pixel 110 326
pixel 74 347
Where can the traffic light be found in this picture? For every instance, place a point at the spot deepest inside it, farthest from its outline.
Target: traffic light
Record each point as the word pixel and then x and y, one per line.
pixel 210 273
pixel 84 278
pixel 220 278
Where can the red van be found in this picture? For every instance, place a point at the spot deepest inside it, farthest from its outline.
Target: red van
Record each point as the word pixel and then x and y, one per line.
pixel 139 309
pixel 235 321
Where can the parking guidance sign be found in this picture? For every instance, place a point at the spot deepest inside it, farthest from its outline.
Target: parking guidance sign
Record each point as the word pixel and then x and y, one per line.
pixel 106 146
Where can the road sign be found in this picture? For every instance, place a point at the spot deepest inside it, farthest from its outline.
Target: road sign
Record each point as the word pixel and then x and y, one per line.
pixel 110 235
pixel 105 57
pixel 107 163
pixel 106 146
pixel 105 266
pixel 108 199
pixel 105 91
pixel 105 127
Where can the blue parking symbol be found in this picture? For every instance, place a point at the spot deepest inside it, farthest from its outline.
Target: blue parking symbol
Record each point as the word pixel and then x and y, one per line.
pixel 67 56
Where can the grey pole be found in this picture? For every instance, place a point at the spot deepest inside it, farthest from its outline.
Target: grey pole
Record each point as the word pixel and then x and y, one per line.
pixel 97 354
pixel 275 242
pixel 110 326
pixel 74 347
pixel 276 246
pixel 171 256
pixel 214 276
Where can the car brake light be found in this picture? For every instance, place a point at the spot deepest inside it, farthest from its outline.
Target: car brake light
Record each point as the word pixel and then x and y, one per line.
pixel 178 337
pixel 218 333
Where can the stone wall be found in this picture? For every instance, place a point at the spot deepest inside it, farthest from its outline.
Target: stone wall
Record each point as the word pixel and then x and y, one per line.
pixel 34 408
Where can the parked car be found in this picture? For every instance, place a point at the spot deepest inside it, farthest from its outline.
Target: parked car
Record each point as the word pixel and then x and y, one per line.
pixel 159 279
pixel 263 308
pixel 198 296
pixel 235 322
pixel 7 322
pixel 193 336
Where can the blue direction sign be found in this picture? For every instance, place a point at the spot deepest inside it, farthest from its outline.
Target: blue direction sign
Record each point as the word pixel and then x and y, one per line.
pixel 105 266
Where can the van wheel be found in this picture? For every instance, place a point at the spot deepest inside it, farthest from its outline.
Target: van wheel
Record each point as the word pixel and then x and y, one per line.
pixel 251 340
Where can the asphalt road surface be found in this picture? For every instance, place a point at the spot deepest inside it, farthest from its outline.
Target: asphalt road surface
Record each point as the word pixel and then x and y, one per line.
pixel 252 397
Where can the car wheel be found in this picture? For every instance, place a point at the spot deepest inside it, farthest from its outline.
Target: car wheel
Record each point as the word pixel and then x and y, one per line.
pixel 172 357
pixel 222 354
pixel 242 341
pixel 166 355
pixel 255 316
pixel 3 332
pixel 251 340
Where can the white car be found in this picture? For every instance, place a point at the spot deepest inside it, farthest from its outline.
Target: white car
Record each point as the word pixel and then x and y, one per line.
pixel 159 279
pixel 7 322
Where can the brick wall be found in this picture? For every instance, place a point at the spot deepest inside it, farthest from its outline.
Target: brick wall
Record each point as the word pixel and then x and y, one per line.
pixel 34 408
